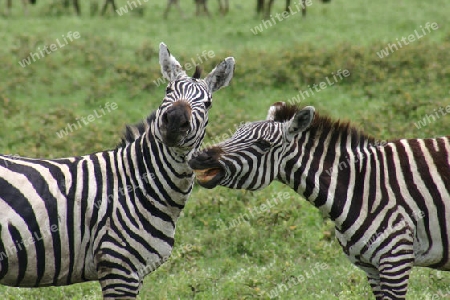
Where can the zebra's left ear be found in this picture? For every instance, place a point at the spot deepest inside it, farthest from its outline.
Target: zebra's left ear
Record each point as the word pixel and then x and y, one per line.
pixel 221 75
pixel 170 67
pixel 301 120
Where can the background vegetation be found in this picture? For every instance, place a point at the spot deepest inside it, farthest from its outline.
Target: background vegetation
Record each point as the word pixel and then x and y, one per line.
pixel 115 60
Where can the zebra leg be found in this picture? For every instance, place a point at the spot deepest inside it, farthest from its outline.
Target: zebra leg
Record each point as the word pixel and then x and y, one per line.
pixel 116 278
pixel 225 7
pixel 113 3
pixel 25 7
pixel 394 280
pixel 373 276
pixel 269 9
pixel 177 4
pixel 394 274
pixel 259 7
pixel 113 289
pixel 205 8
pixel 77 7
pixel 105 6
pixel 8 7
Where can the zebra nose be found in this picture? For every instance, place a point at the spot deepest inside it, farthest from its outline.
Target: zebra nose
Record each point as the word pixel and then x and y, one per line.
pixel 175 120
pixel 202 157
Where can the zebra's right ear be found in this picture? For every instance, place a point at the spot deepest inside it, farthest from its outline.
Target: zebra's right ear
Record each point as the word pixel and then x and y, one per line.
pixel 171 69
pixel 301 121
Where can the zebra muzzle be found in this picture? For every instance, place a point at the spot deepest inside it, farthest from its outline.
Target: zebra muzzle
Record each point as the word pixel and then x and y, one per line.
pixel 205 176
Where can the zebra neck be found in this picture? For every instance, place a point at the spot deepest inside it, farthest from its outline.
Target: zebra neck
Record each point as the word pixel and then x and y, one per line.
pixel 328 170
pixel 162 174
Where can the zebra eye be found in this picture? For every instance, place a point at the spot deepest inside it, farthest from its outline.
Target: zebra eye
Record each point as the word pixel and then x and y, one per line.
pixel 168 90
pixel 263 145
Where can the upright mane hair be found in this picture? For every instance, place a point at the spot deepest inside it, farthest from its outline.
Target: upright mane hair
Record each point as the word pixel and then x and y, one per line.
pixel 132 132
pixel 284 112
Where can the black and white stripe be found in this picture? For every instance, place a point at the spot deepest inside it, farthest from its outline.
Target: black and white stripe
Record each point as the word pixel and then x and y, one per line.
pixel 109 216
pixel 390 201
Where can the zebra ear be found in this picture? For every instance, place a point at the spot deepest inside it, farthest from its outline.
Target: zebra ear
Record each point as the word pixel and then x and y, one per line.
pixel 221 75
pixel 301 120
pixel 273 109
pixel 171 69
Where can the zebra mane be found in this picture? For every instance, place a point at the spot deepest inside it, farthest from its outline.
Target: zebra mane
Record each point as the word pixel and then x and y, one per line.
pixel 284 112
pixel 132 132
pixel 198 72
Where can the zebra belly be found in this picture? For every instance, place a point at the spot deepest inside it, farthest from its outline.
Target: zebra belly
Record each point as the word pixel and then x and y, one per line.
pixel 39 255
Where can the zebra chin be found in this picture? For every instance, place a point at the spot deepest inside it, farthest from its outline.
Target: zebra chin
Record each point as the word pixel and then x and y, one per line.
pixel 172 140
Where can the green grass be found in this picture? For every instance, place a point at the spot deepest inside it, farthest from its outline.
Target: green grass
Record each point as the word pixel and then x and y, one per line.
pixel 115 60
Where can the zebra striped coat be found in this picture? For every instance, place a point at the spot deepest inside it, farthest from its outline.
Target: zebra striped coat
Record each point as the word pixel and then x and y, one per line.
pixel 109 216
pixel 390 201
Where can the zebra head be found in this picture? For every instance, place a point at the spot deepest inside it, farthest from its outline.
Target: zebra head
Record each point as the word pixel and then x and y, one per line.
pixel 181 119
pixel 251 158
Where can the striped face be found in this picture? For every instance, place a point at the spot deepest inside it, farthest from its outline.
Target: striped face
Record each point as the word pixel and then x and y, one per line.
pixel 251 158
pixel 248 160
pixel 182 117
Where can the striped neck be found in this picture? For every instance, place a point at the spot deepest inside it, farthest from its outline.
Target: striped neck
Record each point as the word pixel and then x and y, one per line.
pixel 158 168
pixel 328 167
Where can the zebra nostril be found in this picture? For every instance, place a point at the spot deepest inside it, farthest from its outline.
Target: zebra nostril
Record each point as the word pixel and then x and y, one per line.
pixel 205 157
pixel 185 125
pixel 165 119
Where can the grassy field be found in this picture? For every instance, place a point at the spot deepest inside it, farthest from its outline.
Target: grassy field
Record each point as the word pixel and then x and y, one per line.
pixel 115 60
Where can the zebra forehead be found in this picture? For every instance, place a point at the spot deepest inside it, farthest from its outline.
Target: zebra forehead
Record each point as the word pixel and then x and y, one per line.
pixel 257 129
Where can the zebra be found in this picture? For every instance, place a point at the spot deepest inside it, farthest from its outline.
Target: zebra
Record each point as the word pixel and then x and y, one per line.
pixel 389 200
pixel 200 5
pixel 77 7
pixel 24 3
pixel 265 8
pixel 108 216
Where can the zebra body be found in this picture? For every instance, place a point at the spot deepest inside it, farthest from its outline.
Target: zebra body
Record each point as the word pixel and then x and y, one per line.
pixel 24 3
pixel 390 201
pixel 109 216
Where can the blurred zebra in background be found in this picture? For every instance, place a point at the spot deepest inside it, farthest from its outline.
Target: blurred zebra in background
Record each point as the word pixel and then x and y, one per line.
pixel 24 3
pixel 201 7
pixel 108 216
pixel 264 7
pixel 76 5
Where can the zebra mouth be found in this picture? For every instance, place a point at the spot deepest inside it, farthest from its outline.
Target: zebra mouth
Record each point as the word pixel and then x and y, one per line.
pixel 209 178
